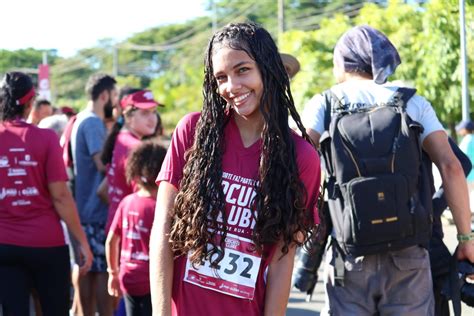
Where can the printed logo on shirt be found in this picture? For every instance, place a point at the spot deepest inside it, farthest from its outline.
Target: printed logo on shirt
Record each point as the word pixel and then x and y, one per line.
pixel 27 161
pixel 4 163
pixel 30 191
pixel 21 203
pixel 239 193
pixel 133 235
pixel 140 256
pixel 16 150
pixel 16 172
pixel 6 192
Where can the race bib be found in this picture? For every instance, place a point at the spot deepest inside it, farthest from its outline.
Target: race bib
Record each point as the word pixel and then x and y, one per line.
pixel 236 274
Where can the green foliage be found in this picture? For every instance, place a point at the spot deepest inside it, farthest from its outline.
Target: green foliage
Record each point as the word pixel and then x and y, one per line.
pixel 427 38
pixel 180 92
pixel 128 81
pixel 428 41
pixel 24 58
pixel 168 59
pixel 439 76
pixel 314 51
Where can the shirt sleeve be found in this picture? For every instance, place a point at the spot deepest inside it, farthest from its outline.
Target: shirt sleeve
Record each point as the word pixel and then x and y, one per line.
pixel 421 111
pixel 94 135
pixel 116 225
pixel 313 114
pixel 55 170
pixel 173 164
pixel 309 167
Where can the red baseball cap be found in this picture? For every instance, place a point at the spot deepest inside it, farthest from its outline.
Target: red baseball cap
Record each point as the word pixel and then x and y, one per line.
pixel 142 99
pixel 67 110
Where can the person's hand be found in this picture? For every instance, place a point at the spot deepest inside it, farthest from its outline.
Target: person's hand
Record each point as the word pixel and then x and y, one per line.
pixel 113 285
pixel 85 259
pixel 465 251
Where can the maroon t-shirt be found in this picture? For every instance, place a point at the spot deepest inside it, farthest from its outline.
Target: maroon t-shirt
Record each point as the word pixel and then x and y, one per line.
pixel 238 288
pixel 30 159
pixel 132 222
pixel 118 187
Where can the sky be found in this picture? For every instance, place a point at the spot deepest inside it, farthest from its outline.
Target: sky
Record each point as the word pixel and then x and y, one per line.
pixel 70 25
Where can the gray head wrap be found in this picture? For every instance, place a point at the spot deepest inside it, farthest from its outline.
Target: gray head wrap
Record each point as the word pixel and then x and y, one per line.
pixel 364 49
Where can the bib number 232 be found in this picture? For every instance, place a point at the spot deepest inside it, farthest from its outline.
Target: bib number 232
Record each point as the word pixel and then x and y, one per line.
pixel 235 275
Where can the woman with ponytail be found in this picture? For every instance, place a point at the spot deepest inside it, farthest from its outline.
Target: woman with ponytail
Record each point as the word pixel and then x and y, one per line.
pixel 237 190
pixel 136 120
pixel 33 199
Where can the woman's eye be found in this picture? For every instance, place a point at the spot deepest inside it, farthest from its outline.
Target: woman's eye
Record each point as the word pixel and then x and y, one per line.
pixel 243 69
pixel 220 78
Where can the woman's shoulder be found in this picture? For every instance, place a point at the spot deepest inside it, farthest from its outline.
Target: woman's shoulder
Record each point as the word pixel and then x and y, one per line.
pixel 188 123
pixel 189 119
pixel 43 133
pixel 305 151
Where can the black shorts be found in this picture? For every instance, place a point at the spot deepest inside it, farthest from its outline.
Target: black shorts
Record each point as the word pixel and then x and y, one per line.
pixel 47 270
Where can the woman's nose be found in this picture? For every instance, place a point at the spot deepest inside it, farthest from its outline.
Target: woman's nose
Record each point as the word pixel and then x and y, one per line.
pixel 233 85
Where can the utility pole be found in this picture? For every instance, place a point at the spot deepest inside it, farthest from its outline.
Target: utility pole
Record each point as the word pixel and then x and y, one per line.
pixel 45 58
pixel 115 61
pixel 465 92
pixel 214 16
pixel 281 17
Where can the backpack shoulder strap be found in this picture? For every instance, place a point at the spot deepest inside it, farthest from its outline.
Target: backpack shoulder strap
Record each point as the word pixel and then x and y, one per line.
pixel 404 95
pixel 331 101
pixel 327 109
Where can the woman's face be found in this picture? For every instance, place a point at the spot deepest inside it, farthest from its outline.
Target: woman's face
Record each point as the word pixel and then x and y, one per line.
pixel 142 122
pixel 239 80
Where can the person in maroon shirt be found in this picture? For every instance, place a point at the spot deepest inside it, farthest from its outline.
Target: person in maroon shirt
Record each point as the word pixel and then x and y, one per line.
pixel 129 234
pixel 237 190
pixel 137 119
pixel 33 199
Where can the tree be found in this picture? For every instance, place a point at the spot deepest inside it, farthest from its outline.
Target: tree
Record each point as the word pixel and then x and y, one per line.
pixel 427 38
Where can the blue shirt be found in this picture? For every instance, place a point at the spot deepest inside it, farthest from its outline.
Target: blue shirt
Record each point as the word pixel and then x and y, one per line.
pixel 87 139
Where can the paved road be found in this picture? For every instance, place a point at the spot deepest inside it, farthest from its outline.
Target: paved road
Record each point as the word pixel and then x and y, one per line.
pixel 299 307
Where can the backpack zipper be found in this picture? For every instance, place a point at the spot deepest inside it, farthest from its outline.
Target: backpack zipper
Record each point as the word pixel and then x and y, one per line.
pixel 395 143
pixel 352 157
pixel 343 138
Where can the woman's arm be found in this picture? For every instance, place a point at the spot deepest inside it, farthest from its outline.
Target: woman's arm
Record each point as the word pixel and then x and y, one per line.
pixel 112 254
pixel 103 191
pixel 279 281
pixel 66 208
pixel 161 256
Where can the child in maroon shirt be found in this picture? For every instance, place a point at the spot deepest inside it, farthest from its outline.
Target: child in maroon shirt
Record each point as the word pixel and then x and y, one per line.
pixel 129 233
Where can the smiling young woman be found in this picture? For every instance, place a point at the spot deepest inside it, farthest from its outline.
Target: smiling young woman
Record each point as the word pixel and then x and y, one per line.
pixel 236 188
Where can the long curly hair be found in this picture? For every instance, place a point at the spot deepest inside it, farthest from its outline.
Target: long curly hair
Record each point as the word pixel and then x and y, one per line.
pixel 279 204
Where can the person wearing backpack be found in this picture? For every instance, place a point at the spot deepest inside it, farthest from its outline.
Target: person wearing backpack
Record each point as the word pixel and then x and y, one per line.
pixel 371 137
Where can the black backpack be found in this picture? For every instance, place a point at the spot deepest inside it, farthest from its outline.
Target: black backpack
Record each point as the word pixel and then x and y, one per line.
pixel 373 160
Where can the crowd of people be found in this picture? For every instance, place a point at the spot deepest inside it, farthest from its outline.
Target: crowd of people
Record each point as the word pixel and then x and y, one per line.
pixel 210 224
